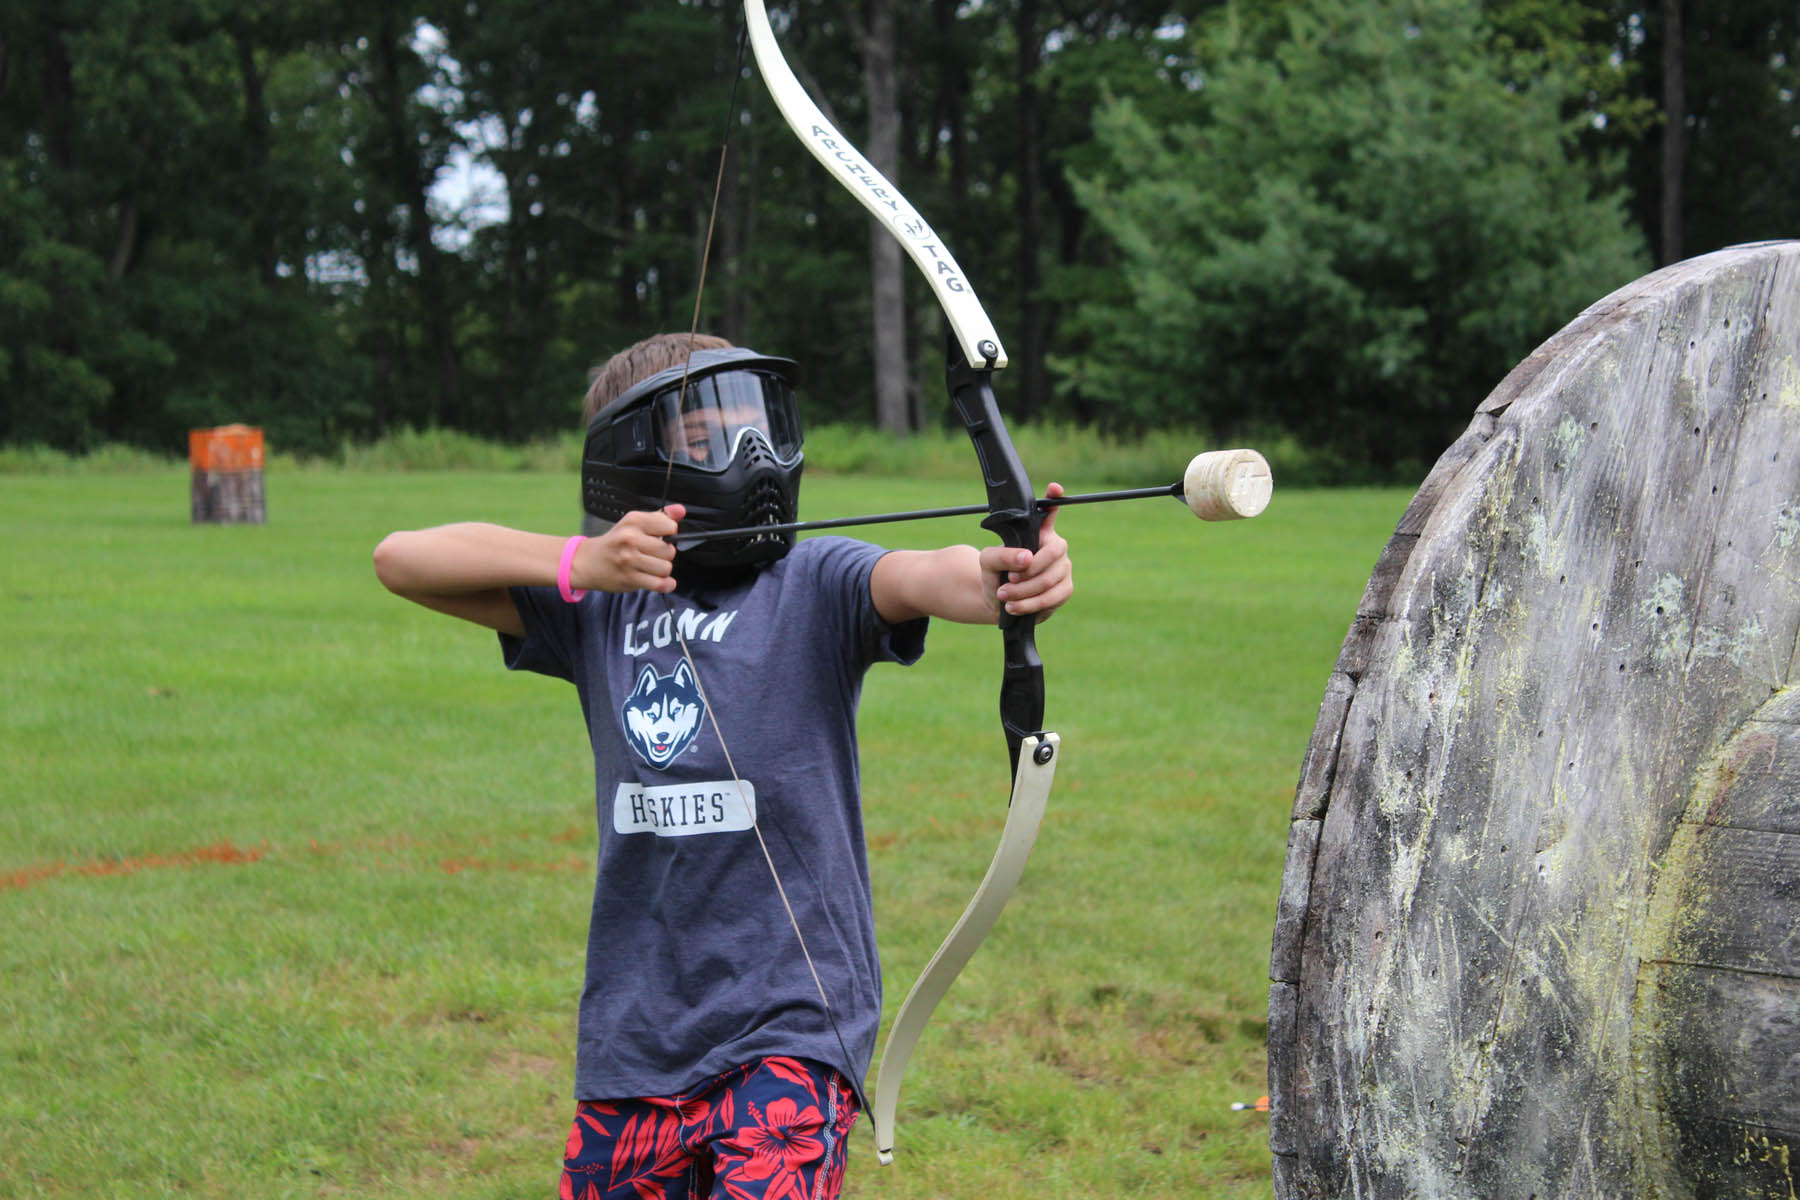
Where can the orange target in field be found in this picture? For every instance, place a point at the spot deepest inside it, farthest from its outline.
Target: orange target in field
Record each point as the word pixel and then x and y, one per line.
pixel 1538 923
pixel 226 448
pixel 226 464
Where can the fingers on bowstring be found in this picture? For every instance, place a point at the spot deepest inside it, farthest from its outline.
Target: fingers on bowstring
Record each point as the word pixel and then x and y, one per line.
pixel 1048 525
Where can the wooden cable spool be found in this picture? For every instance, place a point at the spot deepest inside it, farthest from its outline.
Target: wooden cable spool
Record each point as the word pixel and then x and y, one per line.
pixel 1539 929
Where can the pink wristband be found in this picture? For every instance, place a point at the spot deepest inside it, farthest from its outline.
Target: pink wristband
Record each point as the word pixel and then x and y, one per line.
pixel 562 570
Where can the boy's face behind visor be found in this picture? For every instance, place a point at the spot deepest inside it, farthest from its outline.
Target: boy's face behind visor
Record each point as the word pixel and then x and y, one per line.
pixel 702 424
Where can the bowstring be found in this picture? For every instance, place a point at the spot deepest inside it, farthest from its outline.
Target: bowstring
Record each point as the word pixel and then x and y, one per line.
pixel 687 652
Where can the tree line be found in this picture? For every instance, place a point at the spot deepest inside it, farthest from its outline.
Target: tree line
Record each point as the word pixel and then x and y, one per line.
pixel 1342 220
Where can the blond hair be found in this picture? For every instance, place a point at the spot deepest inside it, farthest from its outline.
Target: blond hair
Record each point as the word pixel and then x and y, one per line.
pixel 634 364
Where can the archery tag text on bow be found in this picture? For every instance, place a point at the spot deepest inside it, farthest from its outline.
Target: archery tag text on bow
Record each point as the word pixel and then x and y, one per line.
pixel 913 225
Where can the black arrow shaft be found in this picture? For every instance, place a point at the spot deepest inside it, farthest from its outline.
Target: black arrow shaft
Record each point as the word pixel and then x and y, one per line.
pixel 1044 504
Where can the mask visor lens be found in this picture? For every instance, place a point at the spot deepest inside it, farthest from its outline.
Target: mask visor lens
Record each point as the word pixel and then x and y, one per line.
pixel 701 426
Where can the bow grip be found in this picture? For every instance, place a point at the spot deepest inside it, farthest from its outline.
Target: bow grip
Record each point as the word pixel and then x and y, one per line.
pixel 1013 515
pixel 1012 505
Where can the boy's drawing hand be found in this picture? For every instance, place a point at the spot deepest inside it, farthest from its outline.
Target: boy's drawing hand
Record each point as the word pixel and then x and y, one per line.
pixel 1031 583
pixel 635 554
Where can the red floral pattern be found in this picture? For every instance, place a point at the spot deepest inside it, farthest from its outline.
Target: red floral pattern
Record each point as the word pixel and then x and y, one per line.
pixel 773 1130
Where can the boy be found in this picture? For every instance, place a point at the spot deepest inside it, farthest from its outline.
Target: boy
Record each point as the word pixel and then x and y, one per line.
pixel 733 987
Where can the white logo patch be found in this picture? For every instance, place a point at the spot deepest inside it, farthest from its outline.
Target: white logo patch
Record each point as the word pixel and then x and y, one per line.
pixel 685 809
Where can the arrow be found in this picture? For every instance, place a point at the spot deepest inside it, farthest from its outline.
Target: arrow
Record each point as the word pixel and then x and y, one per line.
pixel 1219 485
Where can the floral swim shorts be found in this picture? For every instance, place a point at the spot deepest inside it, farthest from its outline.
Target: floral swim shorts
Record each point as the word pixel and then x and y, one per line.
pixel 772 1130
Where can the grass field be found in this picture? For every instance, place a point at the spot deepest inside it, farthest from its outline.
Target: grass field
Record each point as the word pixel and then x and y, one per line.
pixel 293 875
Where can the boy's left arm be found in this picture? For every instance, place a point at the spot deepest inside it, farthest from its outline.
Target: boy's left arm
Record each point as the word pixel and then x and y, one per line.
pixel 961 583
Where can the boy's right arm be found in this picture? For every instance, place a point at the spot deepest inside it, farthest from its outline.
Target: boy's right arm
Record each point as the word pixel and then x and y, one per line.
pixel 465 570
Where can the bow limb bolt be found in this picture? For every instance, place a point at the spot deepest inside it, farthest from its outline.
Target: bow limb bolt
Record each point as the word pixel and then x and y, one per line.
pixel 1013 515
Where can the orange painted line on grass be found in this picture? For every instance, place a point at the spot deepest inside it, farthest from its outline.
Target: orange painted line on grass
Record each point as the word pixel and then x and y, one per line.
pixel 217 854
pixel 228 853
pixel 455 866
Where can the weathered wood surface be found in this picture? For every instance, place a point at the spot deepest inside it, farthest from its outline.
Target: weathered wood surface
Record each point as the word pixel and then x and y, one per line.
pixel 1510 960
pixel 227 498
pixel 1718 1030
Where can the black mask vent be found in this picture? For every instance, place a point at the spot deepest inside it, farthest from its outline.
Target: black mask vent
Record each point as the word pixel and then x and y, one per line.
pixel 767 504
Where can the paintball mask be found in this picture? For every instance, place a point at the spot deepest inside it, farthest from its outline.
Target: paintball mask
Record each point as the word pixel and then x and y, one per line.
pixel 720 435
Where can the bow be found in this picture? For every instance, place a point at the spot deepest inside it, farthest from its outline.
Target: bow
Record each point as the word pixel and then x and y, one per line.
pixel 1013 514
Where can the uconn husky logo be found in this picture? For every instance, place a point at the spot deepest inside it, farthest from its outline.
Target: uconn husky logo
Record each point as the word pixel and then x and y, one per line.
pixel 662 714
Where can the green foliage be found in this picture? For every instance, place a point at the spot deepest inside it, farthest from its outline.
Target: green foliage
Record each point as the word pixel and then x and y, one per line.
pixel 451 450
pixel 114 458
pixel 1352 238
pixel 1741 124
pixel 48 289
pixel 217 212
pixel 1579 38
pixel 156 279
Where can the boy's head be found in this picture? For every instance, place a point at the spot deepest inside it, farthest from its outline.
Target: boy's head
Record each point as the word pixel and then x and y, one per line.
pixel 634 364
pixel 717 430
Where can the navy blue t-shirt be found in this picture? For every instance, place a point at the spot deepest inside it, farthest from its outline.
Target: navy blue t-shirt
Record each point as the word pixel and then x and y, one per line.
pixel 692 965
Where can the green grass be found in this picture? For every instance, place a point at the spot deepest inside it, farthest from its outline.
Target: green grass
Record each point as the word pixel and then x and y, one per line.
pixel 294 874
